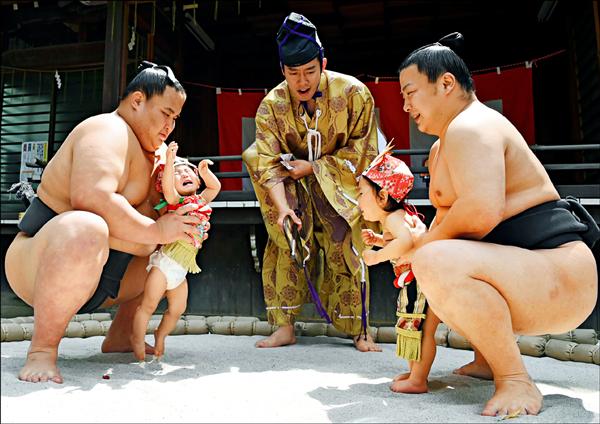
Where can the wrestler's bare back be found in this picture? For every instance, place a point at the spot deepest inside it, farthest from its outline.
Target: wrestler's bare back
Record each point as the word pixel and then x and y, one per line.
pixel 55 188
pixel 527 183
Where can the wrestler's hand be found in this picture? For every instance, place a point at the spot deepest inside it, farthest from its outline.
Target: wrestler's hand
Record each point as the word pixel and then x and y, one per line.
pixel 370 257
pixel 178 225
pixel 206 228
pixel 370 238
pixel 291 214
pixel 417 230
pixel 301 169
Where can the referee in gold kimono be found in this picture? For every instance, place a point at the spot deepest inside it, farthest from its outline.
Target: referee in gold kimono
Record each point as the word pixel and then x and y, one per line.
pixel 315 133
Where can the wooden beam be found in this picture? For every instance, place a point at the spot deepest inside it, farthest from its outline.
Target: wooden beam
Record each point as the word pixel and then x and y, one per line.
pixel 61 56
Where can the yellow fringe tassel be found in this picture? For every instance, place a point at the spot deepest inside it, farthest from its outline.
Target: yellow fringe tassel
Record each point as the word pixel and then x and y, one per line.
pixel 408 344
pixel 184 254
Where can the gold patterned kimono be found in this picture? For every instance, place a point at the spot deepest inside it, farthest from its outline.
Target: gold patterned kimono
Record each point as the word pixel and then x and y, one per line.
pixel 331 220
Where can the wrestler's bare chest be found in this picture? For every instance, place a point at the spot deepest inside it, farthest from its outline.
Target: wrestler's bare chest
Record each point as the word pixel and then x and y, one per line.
pixel 135 183
pixel 441 191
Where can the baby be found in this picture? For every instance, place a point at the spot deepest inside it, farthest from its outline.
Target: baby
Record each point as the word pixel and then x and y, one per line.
pixel 383 188
pixel 178 181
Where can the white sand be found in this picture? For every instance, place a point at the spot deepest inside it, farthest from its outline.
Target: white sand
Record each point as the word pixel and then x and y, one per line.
pixel 213 378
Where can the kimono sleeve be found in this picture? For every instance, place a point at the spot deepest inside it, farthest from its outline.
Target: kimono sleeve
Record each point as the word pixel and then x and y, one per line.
pixel 267 169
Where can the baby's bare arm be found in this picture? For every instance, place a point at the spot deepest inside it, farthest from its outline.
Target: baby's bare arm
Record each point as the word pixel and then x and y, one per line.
pixel 370 238
pixel 213 185
pixel 402 240
pixel 168 179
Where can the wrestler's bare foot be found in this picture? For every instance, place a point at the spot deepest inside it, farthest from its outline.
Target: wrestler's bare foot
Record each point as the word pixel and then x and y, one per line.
pixel 409 386
pixel 40 366
pixel 479 368
pixel 283 336
pixel 365 345
pixel 401 376
pixel 121 344
pixel 517 396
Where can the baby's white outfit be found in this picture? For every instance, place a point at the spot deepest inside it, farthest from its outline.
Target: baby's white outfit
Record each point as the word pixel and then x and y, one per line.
pixel 174 272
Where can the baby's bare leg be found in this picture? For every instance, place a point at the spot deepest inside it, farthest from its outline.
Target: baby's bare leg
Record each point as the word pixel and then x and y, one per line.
pixel 405 375
pixel 131 293
pixel 156 284
pixel 416 382
pixel 177 299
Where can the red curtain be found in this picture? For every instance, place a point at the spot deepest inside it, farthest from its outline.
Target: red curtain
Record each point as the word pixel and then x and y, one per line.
pixel 231 108
pixel 393 121
pixel 513 87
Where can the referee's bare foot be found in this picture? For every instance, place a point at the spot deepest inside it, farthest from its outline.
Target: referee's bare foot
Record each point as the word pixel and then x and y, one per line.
pixel 367 345
pixel 283 336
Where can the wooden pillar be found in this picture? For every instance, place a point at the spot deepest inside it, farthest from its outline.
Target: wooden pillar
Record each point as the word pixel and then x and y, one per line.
pixel 115 54
pixel 179 29
pixel 52 123
pixel 150 46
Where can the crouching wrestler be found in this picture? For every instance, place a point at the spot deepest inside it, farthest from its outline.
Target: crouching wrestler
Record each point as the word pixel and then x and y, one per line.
pixel 505 254
pixel 85 239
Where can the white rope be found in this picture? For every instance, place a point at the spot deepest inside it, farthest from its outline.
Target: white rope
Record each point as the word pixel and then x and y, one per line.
pixel 270 308
pixel 310 133
pixel 362 264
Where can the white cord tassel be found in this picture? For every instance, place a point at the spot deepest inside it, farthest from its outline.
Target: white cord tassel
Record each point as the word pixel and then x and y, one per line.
pixel 362 264
pixel 313 154
pixel 307 257
pixel 317 135
pixel 308 137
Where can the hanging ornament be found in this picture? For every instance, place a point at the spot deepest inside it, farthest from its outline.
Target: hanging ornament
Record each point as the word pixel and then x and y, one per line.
pixel 132 40
pixel 133 28
pixel 57 78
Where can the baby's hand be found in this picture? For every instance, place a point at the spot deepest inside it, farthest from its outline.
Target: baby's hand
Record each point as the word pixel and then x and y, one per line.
pixel 172 151
pixel 370 257
pixel 369 237
pixel 203 165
